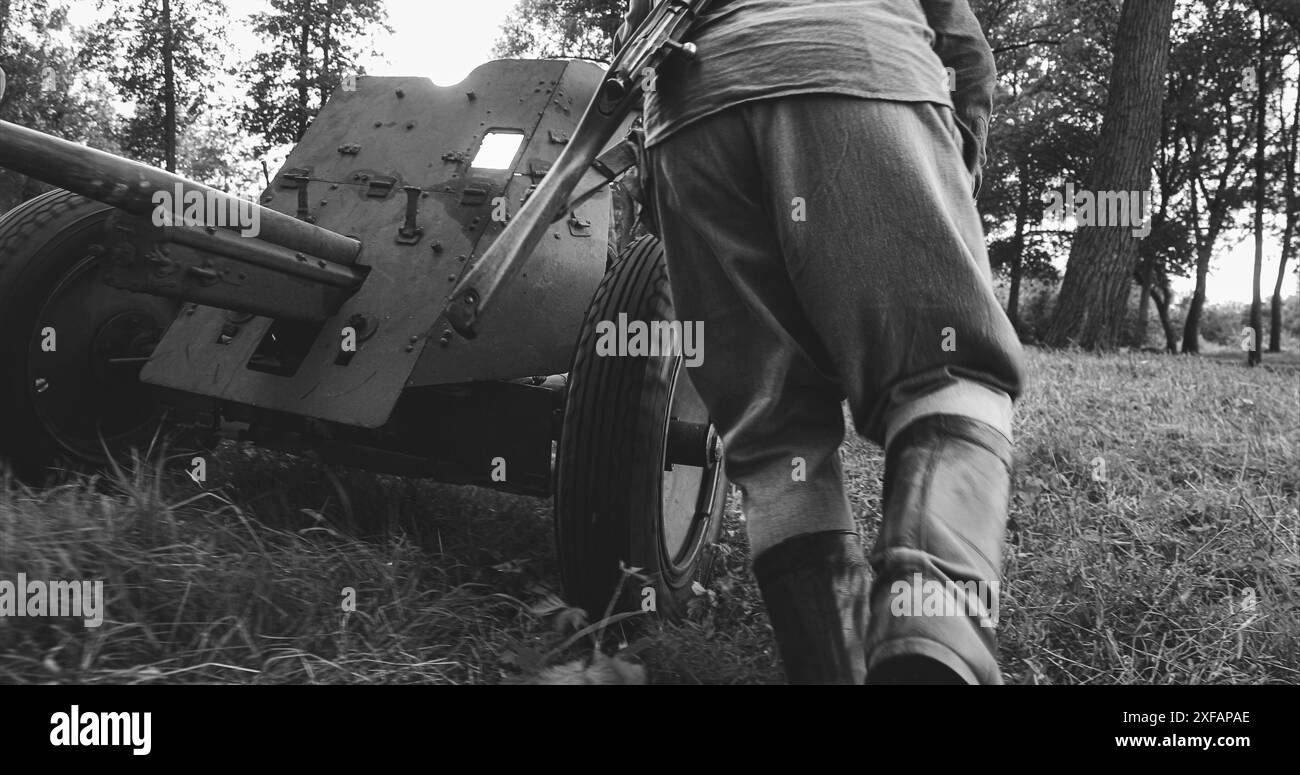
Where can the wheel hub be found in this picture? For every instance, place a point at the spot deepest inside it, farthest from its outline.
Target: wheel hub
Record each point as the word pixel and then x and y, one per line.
pixel 86 386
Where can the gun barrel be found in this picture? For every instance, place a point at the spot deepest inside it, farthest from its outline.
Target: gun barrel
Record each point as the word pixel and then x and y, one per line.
pixel 130 186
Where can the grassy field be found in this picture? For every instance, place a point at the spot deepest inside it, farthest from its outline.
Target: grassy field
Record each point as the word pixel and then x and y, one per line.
pixel 1175 559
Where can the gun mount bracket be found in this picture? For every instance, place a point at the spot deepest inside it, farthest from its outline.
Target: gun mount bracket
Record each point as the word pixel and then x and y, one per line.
pixel 291 178
pixel 380 186
pixel 579 227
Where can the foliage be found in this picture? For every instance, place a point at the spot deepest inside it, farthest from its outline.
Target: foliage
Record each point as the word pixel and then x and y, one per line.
pixel 160 56
pixel 310 46
pixel 1054 59
pixel 563 29
pixel 47 90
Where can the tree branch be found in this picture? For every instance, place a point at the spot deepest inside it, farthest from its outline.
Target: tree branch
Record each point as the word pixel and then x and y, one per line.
pixel 1025 44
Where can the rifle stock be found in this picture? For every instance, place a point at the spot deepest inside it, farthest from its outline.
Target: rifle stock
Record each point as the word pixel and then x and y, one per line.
pixel 657 38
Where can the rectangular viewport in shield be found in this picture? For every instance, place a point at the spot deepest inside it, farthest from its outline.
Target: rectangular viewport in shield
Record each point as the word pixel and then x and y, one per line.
pixel 284 347
pixel 498 149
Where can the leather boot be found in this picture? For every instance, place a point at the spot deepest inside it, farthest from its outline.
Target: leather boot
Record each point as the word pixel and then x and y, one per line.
pixel 816 592
pixel 946 494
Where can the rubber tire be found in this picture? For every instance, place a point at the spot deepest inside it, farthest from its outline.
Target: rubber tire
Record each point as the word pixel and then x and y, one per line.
pixel 41 242
pixel 609 487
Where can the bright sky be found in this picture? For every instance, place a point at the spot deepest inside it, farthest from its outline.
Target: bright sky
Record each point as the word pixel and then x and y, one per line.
pixel 445 39
pixel 1231 272
pixel 440 39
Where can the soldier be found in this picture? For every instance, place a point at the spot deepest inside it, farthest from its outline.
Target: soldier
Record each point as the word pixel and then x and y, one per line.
pixel 813 172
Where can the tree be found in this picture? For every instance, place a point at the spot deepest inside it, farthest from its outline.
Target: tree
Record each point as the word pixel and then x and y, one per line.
pixel 311 45
pixel 208 152
pixel 1261 120
pixel 1286 10
pixel 4 21
pixel 1189 123
pixel 561 29
pixel 1044 124
pixel 1291 205
pixel 1094 294
pixel 158 55
pixel 47 89
pixel 1219 85
pixel 1165 246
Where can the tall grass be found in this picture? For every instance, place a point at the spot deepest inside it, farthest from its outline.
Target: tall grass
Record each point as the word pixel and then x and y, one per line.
pixel 1177 563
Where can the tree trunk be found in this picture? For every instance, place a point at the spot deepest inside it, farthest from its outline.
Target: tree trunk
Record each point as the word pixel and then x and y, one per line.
pixel 1192 326
pixel 169 89
pixel 1261 108
pixel 1152 263
pixel 304 74
pixel 1018 255
pixel 327 43
pixel 4 23
pixel 1094 294
pixel 1205 239
pixel 1139 338
pixel 1275 309
pixel 1160 294
pixel 1292 206
pixel 1013 293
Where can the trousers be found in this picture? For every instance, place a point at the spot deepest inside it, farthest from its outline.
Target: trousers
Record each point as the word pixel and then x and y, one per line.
pixel 831 249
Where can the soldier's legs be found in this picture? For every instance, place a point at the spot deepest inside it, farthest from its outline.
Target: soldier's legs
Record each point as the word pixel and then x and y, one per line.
pixel 845 229
pixel 780 416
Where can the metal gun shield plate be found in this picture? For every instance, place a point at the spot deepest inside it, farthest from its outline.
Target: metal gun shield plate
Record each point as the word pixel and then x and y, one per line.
pixel 414 134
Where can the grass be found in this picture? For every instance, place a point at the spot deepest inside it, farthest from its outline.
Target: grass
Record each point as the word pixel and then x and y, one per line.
pixel 1178 562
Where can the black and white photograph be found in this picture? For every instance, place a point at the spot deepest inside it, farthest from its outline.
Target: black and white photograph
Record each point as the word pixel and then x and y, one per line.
pixel 662 342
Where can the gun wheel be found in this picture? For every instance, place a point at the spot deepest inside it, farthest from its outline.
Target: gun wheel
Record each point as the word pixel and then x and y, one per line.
pixel 71 347
pixel 640 471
